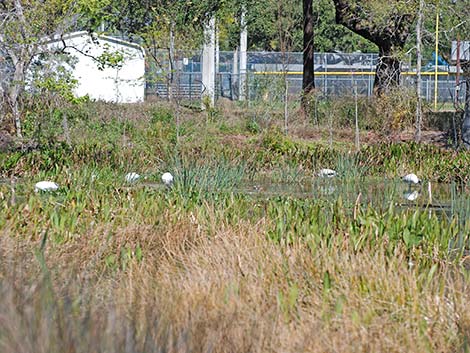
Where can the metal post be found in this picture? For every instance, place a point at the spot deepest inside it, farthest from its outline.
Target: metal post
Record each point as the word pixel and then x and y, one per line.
pixel 457 77
pixel 190 84
pixel 325 76
pixel 428 96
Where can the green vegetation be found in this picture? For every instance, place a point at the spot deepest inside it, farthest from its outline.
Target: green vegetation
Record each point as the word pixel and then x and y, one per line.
pixel 102 265
pixel 147 139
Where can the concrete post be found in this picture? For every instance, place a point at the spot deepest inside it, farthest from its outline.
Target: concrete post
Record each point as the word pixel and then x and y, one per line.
pixel 243 55
pixel 235 74
pixel 208 64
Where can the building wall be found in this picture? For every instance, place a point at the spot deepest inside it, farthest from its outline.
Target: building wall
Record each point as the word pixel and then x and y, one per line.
pixel 125 84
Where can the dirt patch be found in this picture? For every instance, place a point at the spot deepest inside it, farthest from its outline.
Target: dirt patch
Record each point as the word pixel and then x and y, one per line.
pixel 434 137
pixel 347 136
pixel 237 141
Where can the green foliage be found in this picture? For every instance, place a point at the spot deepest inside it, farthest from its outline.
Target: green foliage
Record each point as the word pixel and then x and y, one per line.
pixel 264 23
pixel 94 12
pixel 330 36
pixel 152 21
pixel 332 224
pixel 253 127
pixel 110 59
pixel 279 150
pixel 435 163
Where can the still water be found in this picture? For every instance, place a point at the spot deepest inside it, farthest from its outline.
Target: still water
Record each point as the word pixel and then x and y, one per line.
pixel 447 199
pixel 366 191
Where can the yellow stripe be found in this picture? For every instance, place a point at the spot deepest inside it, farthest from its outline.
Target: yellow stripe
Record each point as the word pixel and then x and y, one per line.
pixel 345 73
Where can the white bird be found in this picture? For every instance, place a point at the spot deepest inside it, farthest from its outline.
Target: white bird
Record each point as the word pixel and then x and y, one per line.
pixel 327 173
pixel 411 179
pixel 45 186
pixel 167 179
pixel 132 177
pixel 411 196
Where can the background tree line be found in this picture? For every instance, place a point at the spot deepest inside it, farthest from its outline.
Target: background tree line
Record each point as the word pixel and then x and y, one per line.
pixel 280 25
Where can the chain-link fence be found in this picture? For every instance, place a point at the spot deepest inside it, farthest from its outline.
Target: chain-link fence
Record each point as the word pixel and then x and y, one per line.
pixel 336 74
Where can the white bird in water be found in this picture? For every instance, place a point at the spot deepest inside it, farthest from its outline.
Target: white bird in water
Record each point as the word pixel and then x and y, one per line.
pixel 411 179
pixel 45 186
pixel 132 177
pixel 167 179
pixel 327 173
pixel 411 196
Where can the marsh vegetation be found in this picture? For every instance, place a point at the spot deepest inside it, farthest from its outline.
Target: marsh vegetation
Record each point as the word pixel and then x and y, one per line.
pixel 248 251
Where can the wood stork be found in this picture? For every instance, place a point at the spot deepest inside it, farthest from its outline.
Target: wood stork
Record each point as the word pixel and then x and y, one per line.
pixel 132 177
pixel 45 186
pixel 411 179
pixel 167 179
pixel 327 173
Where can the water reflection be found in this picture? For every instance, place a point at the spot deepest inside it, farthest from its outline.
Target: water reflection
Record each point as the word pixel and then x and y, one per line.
pixel 374 191
pixel 411 195
pixel 377 192
pixel 328 190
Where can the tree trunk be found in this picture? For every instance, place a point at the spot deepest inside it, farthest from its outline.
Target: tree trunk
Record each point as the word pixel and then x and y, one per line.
pixel 171 59
pixel 419 112
pixel 387 73
pixel 14 94
pixel 466 115
pixel 17 118
pixel 308 79
pixel 389 35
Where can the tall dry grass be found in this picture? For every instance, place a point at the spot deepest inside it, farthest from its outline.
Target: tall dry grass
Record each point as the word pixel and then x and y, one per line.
pixel 232 291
